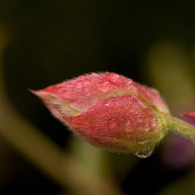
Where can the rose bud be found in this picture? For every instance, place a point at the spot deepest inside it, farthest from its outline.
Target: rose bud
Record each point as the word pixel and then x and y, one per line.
pixel 109 111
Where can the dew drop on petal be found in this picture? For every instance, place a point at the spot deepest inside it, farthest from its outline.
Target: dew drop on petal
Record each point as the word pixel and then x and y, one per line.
pixel 94 74
pixel 115 78
pixel 154 123
pixel 143 142
pixel 79 85
pixel 146 152
pixel 128 126
pixel 147 128
pixel 128 135
pixel 128 84
pixel 130 81
pixel 103 86
pixel 154 91
pixel 108 104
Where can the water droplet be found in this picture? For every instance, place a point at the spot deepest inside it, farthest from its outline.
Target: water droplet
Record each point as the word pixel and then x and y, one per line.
pixel 143 142
pixel 94 74
pixel 128 84
pixel 147 128
pixel 128 135
pixel 128 126
pixel 112 124
pixel 146 152
pixel 115 78
pixel 103 86
pixel 108 104
pixel 154 123
pixel 129 81
pixel 103 142
pixel 79 85
pixel 154 91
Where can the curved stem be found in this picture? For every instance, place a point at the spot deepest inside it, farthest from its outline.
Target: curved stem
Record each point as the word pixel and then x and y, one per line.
pixel 48 156
pixel 182 128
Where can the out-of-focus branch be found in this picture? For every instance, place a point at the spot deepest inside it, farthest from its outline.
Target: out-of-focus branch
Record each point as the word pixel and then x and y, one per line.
pixel 45 154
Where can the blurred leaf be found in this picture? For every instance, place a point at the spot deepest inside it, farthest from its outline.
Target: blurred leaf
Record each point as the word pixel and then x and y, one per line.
pixel 94 159
pixel 168 68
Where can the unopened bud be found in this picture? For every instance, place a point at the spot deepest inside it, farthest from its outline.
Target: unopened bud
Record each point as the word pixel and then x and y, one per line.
pixel 109 111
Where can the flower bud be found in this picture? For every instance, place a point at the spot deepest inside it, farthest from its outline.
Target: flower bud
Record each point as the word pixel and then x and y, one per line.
pixel 109 111
pixel 189 115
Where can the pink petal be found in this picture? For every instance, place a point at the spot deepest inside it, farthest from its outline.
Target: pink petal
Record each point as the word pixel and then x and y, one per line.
pixel 189 115
pixel 87 90
pixel 116 123
pixel 152 97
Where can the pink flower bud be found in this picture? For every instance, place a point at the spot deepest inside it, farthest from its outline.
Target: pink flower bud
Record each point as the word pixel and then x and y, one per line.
pixel 189 115
pixel 109 111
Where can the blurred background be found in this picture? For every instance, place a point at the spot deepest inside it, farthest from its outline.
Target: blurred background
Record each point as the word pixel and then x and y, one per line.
pixel 46 42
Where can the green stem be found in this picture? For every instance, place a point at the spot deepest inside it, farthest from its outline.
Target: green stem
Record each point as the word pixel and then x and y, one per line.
pixel 182 128
pixel 47 156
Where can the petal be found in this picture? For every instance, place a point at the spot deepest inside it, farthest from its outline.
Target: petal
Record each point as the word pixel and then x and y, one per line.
pixel 58 107
pixel 189 115
pixel 87 90
pixel 152 97
pixel 117 122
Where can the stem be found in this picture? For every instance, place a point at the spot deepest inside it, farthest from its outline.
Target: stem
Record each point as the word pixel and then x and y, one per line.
pixel 180 127
pixel 47 156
